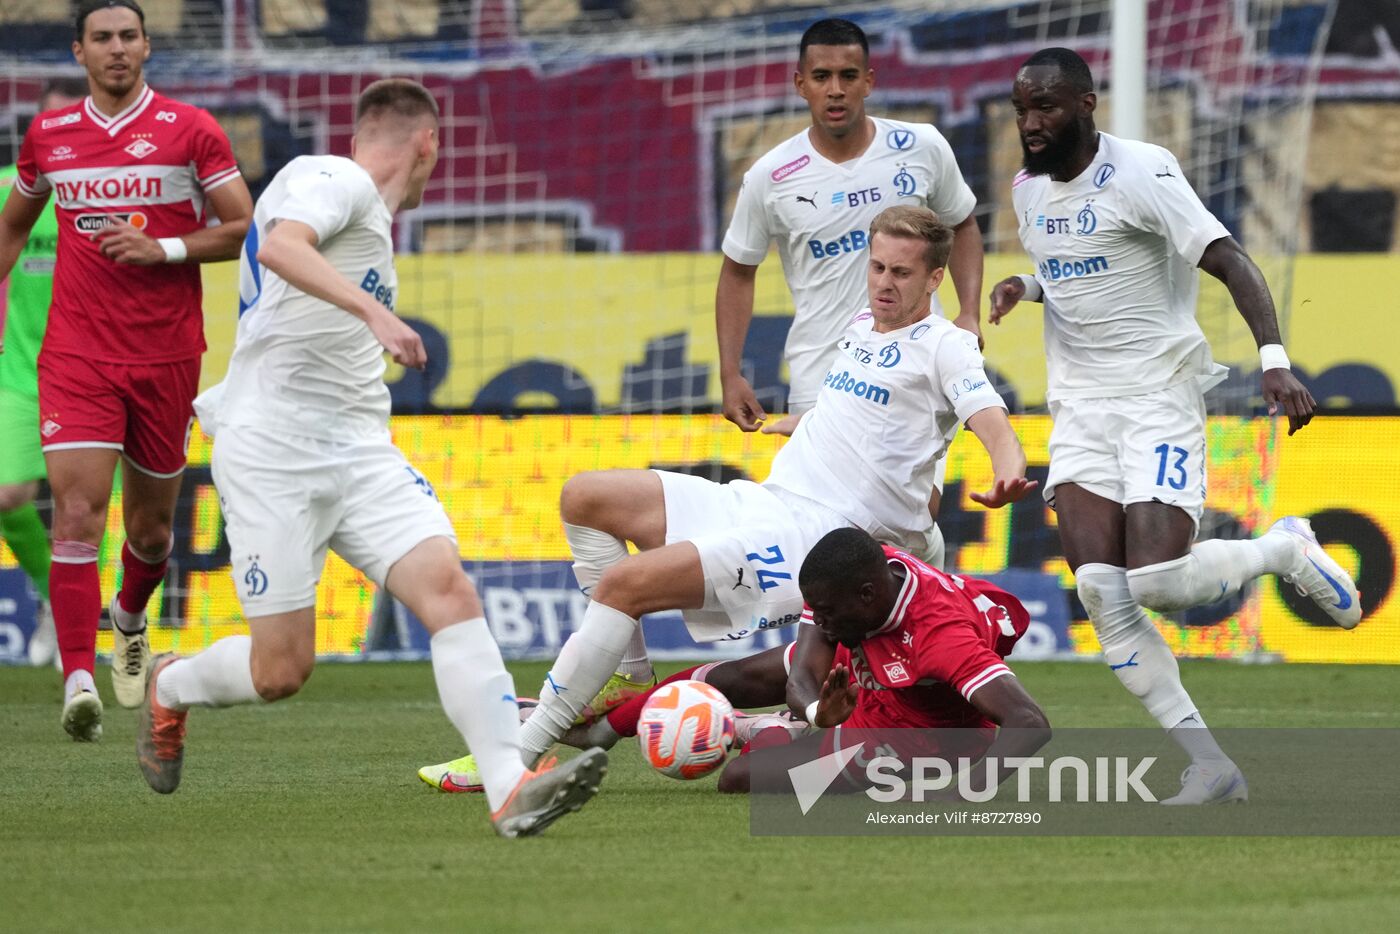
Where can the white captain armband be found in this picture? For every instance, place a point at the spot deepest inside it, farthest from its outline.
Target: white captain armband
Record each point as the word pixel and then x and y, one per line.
pixel 1034 292
pixel 1273 357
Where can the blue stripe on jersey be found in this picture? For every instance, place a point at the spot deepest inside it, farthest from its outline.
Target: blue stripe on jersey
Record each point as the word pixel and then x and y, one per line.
pixel 250 260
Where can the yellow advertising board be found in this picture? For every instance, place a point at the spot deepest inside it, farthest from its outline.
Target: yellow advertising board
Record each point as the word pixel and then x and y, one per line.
pixel 500 479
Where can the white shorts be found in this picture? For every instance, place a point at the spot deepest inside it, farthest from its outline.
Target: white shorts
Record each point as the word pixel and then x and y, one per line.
pixel 752 542
pixel 1134 449
pixel 286 499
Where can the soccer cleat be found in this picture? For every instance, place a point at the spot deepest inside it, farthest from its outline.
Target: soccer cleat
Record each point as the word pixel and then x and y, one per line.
pixel 618 691
pixel 547 794
pixel 131 657
pixel 160 736
pixel 1318 576
pixel 82 717
pixel 1202 786
pixel 43 645
pixel 459 775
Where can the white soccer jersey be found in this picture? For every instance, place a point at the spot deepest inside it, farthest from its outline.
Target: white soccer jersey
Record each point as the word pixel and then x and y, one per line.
pixel 301 364
pixel 1116 251
pixel 820 213
pixel 888 409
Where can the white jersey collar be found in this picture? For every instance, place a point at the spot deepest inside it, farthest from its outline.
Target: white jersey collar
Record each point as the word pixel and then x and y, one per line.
pixel 113 125
pixel 901 603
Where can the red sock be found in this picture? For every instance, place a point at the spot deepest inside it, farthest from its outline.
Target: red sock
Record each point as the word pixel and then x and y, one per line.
pixel 75 595
pixel 139 579
pixel 623 718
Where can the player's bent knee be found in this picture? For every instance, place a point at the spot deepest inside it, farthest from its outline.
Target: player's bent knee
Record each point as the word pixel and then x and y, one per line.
pixel 14 496
pixel 581 499
pixel 278 682
pixel 624 587
pixel 453 600
pixel 1164 587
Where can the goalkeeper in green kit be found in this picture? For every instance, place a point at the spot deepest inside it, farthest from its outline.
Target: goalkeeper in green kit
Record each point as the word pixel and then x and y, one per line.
pixel 27 294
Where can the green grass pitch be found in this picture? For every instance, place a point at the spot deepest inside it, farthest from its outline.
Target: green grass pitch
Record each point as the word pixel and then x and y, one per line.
pixel 307 816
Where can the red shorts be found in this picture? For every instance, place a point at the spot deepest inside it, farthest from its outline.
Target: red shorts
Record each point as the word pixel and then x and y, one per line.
pixel 144 410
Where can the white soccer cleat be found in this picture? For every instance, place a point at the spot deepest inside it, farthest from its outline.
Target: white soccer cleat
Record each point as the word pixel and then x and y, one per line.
pixel 1318 576
pixel 131 656
pixel 43 645
pixel 1210 786
pixel 550 792
pixel 82 717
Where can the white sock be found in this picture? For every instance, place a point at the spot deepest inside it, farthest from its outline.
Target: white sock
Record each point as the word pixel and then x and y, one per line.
pixel 1192 735
pixel 1212 570
pixel 220 676
pixel 584 665
pixel 594 552
pixel 478 695
pixel 79 680
pixel 1132 646
pixel 700 673
pixel 129 623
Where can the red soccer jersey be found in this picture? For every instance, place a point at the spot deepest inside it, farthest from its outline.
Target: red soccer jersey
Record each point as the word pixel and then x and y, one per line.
pixel 151 165
pixel 945 638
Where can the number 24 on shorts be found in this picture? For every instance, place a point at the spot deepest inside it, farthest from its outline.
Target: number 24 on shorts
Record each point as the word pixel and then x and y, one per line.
pixel 767 578
pixel 1176 479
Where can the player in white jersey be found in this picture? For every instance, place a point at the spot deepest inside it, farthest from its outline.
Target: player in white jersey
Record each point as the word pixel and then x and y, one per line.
pixel 303 462
pixel 815 195
pixel 727 555
pixel 1117 235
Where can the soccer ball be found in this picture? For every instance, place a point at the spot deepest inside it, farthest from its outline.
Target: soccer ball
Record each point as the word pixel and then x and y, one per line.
pixel 686 729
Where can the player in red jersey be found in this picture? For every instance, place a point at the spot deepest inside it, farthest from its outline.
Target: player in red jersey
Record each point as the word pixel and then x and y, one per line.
pixel 137 178
pixel 925 650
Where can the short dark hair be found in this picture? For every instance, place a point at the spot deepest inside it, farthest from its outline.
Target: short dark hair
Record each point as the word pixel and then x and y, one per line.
pixel 916 222
pixel 87 7
pixel 842 555
pixel 65 87
pixel 1071 65
pixel 399 97
pixel 833 32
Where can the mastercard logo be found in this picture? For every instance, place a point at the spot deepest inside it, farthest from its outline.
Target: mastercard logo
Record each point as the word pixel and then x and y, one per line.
pixel 91 223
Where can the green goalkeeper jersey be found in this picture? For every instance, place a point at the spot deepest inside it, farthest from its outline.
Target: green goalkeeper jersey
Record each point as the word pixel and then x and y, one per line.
pixel 27 299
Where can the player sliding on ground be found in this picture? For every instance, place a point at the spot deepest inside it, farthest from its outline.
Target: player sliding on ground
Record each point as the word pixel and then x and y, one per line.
pixel 887 642
pixel 727 556
pixel 1117 252
pixel 303 462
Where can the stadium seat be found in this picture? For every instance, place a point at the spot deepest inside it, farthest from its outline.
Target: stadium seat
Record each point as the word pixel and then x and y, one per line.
pixel 548 15
pixel 164 17
pixel 393 20
pixel 290 17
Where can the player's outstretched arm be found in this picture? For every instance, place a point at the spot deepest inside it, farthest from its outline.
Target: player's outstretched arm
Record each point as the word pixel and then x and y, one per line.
pixel 230 203
pixel 811 663
pixel 1009 484
pixel 838 699
pixel 289 250
pixel 965 265
pixel 1007 293
pixel 733 311
pixel 1227 261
